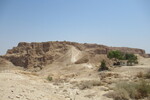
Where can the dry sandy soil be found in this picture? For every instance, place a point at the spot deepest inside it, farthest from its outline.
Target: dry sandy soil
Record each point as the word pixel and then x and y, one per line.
pixel 69 82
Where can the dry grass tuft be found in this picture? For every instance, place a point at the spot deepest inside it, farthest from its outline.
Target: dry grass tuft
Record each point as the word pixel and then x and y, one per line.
pixel 140 75
pixel 88 84
pixel 147 75
pixel 125 91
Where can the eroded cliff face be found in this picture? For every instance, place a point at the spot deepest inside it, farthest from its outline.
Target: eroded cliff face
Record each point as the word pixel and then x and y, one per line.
pixel 32 55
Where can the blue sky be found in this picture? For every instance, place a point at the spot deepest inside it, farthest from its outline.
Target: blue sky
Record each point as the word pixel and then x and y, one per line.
pixel 122 23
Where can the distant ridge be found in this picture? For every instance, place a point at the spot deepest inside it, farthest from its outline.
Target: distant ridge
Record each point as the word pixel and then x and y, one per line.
pixel 40 54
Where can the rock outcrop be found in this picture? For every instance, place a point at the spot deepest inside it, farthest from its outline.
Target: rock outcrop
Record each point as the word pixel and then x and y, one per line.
pixel 32 55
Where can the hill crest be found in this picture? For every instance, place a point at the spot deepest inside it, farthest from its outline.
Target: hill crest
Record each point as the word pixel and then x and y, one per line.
pixel 39 54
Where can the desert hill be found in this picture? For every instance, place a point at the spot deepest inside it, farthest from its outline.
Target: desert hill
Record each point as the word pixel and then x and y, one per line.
pixel 38 55
pixel 66 71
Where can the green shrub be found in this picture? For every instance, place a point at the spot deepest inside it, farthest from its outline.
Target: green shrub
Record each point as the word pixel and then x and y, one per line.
pixel 49 78
pixel 103 66
pixel 123 56
pixel 128 56
pixel 115 54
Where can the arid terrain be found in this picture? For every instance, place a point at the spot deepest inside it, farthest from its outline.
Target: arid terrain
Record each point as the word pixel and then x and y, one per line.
pixel 64 71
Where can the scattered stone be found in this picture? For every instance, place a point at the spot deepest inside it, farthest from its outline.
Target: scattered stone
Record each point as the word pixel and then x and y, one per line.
pixel 17 97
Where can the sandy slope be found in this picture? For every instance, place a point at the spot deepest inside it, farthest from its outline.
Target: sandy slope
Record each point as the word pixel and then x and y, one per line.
pixel 71 56
pixel 20 85
pixel 16 84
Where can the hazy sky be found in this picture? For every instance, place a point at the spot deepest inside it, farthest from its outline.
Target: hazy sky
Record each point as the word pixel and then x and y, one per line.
pixel 123 23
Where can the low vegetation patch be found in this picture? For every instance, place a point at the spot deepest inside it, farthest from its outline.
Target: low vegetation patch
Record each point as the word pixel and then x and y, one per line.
pixel 118 55
pixel 143 75
pixel 88 84
pixel 103 66
pixel 147 75
pixel 49 78
pixel 140 75
pixel 136 91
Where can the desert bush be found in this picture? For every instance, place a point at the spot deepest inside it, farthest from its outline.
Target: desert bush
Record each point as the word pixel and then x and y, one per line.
pixel 124 91
pixel 140 75
pixel 130 57
pixel 115 54
pixel 49 78
pixel 147 75
pixel 103 66
pixel 144 75
pixel 118 55
pixel 88 84
pixel 121 95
